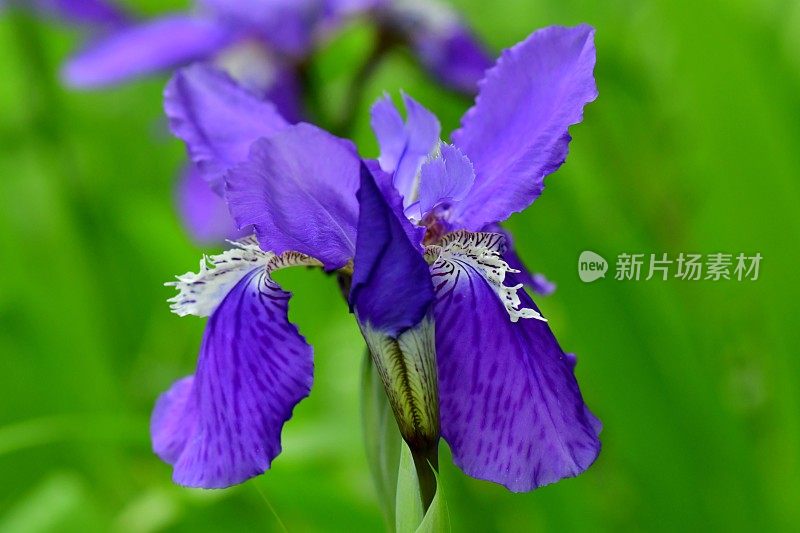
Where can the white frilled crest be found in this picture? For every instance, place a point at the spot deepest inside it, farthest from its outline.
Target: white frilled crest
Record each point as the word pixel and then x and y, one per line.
pixel 482 252
pixel 201 293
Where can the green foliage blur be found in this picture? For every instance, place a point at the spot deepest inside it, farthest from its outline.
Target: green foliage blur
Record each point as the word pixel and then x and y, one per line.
pixel 692 146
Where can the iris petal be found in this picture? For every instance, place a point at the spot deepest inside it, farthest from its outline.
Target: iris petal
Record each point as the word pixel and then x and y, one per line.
pixel 205 213
pixel 298 189
pixel 444 179
pixel 217 119
pixel 404 145
pixel 223 426
pixel 147 48
pixel 517 132
pixel 511 409
pixel 392 288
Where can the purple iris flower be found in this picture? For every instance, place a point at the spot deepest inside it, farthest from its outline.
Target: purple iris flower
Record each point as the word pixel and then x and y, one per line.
pixel 432 288
pixel 259 43
pixel 256 41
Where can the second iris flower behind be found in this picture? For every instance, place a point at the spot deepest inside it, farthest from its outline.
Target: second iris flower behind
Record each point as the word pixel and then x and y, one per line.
pixel 432 290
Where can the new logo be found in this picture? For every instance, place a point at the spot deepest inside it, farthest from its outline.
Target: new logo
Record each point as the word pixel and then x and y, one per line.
pixel 591 266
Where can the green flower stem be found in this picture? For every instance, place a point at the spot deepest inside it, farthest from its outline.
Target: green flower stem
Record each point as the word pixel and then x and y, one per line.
pixel 427 464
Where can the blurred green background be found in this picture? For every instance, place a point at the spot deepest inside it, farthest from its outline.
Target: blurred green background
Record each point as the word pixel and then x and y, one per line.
pixel 691 147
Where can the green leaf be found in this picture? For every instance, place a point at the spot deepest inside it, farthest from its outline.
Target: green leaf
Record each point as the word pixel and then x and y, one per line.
pixel 437 519
pixel 409 503
pixel 409 513
pixel 382 439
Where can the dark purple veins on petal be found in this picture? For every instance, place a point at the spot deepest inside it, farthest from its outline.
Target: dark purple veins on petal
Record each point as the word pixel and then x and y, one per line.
pixel 222 426
pixel 511 408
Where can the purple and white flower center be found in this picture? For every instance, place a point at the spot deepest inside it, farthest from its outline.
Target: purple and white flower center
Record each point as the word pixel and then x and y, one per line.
pixel 482 253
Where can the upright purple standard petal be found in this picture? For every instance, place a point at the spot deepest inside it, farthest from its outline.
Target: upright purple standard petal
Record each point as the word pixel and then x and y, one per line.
pixel 511 409
pixel 222 426
pixel 151 47
pixel 404 145
pixel 298 189
pixel 445 179
pixel 517 132
pixel 217 119
pixel 392 288
pixel 204 212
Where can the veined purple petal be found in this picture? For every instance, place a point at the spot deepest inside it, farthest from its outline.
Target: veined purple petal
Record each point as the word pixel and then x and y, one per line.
pixel 204 212
pixel 511 409
pixel 174 420
pixel 445 179
pixel 298 189
pixel 391 289
pixel 517 132
pixel 222 426
pixel 288 25
pixel 147 48
pixel 455 57
pixel 404 145
pixel 217 119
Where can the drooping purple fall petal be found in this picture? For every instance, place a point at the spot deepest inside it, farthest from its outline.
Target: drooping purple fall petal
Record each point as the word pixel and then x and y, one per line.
pixel 511 409
pixel 147 48
pixel 174 420
pixel 298 189
pixel 222 426
pixel 204 212
pixel 392 288
pixel 217 119
pixel 405 144
pixel 517 132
